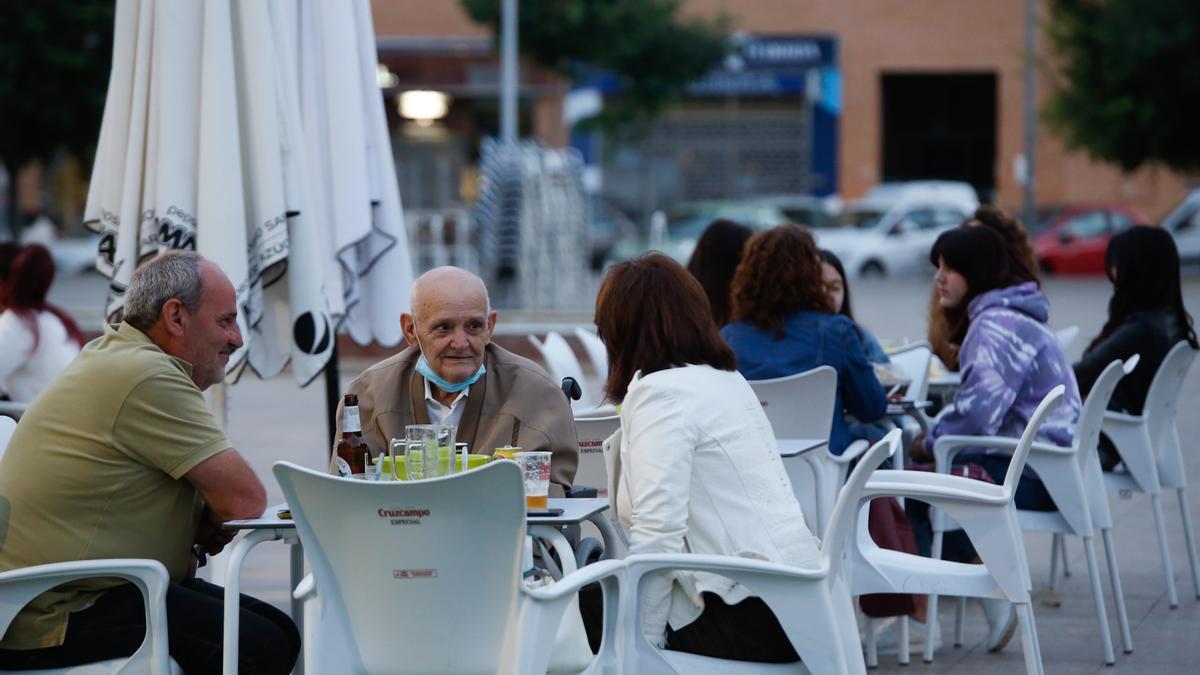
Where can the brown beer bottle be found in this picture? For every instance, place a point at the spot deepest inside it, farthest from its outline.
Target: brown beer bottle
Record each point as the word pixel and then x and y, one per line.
pixel 351 448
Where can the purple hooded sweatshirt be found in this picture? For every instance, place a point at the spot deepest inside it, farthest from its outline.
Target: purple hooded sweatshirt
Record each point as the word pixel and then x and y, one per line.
pixel 1009 362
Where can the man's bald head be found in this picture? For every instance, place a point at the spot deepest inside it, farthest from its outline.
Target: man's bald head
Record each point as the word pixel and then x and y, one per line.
pixel 451 321
pixel 453 285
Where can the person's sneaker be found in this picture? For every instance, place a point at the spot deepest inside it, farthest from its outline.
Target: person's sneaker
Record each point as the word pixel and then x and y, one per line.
pixel 1002 623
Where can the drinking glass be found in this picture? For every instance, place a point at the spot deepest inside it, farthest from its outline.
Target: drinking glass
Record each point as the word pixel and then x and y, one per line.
pixel 536 468
pixel 429 450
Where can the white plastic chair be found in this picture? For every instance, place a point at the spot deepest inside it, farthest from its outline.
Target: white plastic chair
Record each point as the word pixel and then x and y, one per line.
pixel 19 587
pixel 1073 479
pixel 812 605
pixel 988 515
pixel 591 432
pixel 1150 450
pixel 913 359
pixel 1066 337
pixel 560 362
pixel 427 578
pixel 801 406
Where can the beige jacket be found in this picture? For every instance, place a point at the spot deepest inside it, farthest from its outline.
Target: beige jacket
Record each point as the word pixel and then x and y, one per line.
pixel 514 403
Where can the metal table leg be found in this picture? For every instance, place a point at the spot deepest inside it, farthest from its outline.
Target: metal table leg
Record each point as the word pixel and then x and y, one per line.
pixel 237 554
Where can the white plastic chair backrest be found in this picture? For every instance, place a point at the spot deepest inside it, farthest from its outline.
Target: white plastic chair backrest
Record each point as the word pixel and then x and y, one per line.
pixel 591 432
pixel 1087 437
pixel 801 405
pixel 1091 416
pixel 1066 337
pixel 914 360
pixel 1163 396
pixel 561 362
pixel 596 351
pixel 421 574
pixel 841 523
pixel 1162 402
pixel 7 426
pixel 1017 464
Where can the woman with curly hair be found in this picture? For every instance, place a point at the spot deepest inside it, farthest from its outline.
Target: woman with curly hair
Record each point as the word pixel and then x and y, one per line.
pixel 1021 249
pixel 784 323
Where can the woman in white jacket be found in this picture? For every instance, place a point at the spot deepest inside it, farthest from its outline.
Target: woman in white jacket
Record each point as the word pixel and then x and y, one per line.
pixel 695 465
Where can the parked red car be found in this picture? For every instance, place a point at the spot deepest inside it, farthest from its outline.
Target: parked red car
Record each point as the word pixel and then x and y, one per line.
pixel 1072 239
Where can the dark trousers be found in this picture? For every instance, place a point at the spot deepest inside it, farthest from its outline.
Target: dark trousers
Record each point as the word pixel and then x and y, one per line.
pixel 115 627
pixel 747 631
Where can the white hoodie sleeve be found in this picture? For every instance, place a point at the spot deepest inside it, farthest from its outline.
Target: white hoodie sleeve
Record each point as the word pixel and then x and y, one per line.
pixel 657 454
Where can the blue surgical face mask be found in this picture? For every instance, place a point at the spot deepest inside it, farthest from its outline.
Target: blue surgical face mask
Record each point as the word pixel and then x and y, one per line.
pixel 426 371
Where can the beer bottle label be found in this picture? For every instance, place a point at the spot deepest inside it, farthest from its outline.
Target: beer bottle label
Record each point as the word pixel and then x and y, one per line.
pixel 343 468
pixel 350 421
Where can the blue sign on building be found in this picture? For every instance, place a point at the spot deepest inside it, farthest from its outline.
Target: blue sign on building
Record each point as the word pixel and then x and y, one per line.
pixel 766 66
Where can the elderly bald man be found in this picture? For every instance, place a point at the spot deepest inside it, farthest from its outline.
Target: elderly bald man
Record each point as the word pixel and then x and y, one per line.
pixel 451 373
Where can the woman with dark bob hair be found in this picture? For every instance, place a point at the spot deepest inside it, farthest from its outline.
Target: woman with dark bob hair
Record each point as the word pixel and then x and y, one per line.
pixel 785 323
pixel 694 466
pixel 1016 239
pixel 1146 316
pixel 996 314
pixel 38 339
pixel 713 262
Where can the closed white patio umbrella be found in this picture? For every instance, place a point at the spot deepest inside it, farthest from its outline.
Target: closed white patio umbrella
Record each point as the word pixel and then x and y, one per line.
pixel 252 132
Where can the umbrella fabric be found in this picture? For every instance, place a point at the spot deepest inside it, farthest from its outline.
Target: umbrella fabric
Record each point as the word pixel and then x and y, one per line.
pixel 204 145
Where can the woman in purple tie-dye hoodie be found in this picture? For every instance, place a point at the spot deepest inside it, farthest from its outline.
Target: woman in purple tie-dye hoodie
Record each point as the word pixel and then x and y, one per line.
pixel 1009 361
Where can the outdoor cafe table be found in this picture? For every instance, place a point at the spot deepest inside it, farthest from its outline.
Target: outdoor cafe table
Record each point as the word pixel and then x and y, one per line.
pixel 270 527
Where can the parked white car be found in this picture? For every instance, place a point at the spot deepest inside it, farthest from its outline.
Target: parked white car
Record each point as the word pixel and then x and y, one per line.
pixel 1184 224
pixel 892 228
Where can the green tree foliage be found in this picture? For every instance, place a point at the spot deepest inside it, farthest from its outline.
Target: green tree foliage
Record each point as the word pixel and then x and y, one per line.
pixel 653 52
pixel 1131 71
pixel 54 61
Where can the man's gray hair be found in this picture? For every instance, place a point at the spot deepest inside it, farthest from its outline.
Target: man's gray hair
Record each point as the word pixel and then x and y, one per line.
pixel 174 274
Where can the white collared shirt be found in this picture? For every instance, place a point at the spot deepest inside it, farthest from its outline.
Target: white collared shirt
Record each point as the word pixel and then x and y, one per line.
pixel 440 414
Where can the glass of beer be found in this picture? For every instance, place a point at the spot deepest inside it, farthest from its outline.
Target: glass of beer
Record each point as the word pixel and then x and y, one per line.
pixel 536 468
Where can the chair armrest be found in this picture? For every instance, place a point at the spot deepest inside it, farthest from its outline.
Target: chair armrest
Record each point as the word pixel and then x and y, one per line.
pixel 644 563
pixel 934 488
pixel 23 585
pixel 576 580
pixel 18 587
pixel 541 618
pixel 1002 443
pixel 852 452
pixel 1122 419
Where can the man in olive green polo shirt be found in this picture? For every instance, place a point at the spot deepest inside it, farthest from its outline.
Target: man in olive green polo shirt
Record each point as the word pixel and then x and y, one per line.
pixel 120 458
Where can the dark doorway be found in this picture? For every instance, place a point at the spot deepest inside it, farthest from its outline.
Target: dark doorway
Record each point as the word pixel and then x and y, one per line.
pixel 940 127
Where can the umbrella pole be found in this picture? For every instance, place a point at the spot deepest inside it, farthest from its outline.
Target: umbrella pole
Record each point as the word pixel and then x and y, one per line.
pixel 333 394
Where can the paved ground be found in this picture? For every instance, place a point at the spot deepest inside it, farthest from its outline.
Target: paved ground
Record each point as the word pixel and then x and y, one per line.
pixel 273 420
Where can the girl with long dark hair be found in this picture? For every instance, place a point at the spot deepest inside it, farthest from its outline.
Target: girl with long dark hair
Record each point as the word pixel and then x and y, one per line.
pixel 1146 316
pixel 714 261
